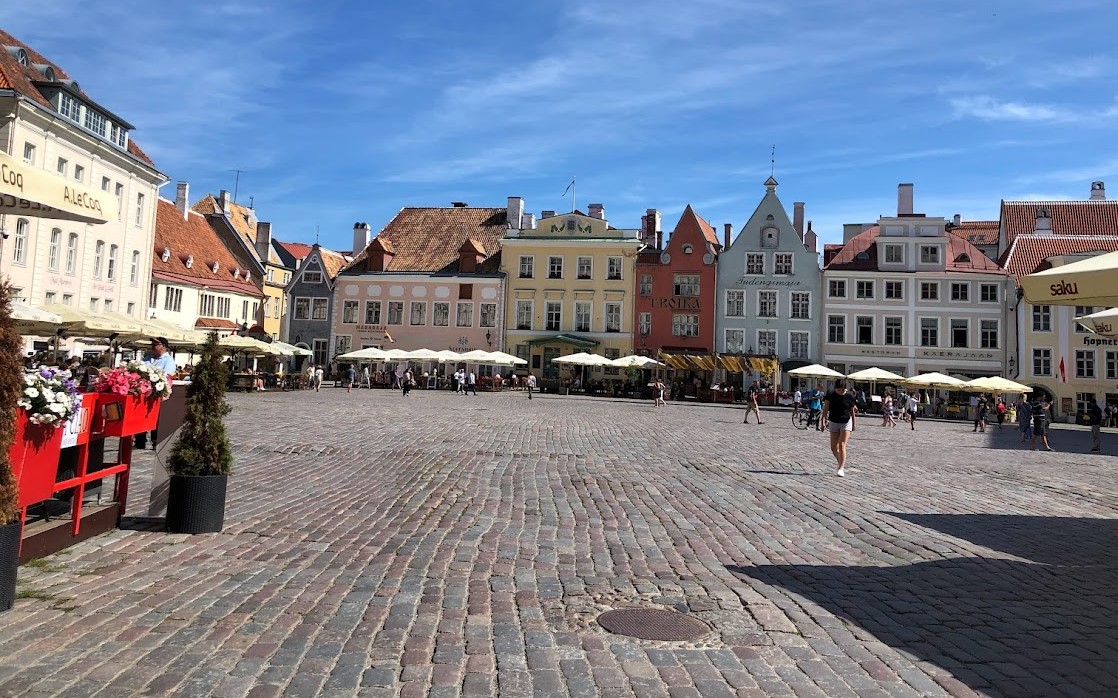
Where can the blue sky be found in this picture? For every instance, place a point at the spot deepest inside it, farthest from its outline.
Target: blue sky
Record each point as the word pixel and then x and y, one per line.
pixel 342 111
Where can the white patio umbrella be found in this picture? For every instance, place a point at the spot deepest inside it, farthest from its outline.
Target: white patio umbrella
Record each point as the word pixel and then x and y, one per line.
pixel 293 350
pixel 875 374
pixel 997 384
pixel 423 355
pixel 635 361
pixel 448 356
pixel 1104 322
pixel 503 359
pixel 935 380
pixel 248 345
pixel 31 320
pixel 1092 281
pixel 477 356
pixel 576 359
pixel 395 355
pixel 86 323
pixel 815 371
pixel 368 354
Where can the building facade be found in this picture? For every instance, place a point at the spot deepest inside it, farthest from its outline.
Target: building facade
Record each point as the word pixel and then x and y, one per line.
pixel 676 287
pixel 769 287
pixel 907 296
pixel 570 286
pixel 50 124
pixel 310 301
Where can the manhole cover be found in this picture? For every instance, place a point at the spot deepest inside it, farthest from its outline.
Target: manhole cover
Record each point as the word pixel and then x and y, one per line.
pixel 653 624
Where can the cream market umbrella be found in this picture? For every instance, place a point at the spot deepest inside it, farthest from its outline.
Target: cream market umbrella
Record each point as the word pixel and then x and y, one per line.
pixel 85 323
pixel 814 371
pixel 936 380
pixel 448 356
pixel 248 345
pixel 1091 282
pixel 367 354
pixel 31 320
pixel 476 356
pixel 1104 322
pixel 997 384
pixel 503 359
pixel 292 350
pixel 154 327
pixel 576 359
pixel 395 355
pixel 423 355
pixel 635 361
pixel 875 374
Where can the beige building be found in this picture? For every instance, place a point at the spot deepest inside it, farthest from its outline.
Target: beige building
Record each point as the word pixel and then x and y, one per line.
pixel 48 123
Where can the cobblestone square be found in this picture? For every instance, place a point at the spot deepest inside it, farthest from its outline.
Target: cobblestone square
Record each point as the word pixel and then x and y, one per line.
pixel 445 545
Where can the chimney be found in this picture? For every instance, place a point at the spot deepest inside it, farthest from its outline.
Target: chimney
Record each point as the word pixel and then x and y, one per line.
pixel 223 201
pixel 659 239
pixel 811 240
pixel 904 199
pixel 956 220
pixel 459 204
pixel 470 255
pixel 529 221
pixel 515 212
pixel 360 237
pixel 263 240
pixel 547 214
pixel 597 211
pixel 798 219
pixel 1098 191
pixel 182 198
pixel 727 233
pixel 650 225
pixel 1043 221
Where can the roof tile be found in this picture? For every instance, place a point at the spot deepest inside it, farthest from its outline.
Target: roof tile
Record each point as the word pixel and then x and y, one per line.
pixel 847 259
pixel 1028 252
pixel 428 239
pixel 1085 217
pixel 193 237
pixel 978 232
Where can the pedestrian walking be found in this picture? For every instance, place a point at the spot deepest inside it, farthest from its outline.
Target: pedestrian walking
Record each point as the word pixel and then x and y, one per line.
pixel 981 412
pixel 458 381
pixel 840 412
pixel 350 378
pixel 1025 419
pixel 531 384
pixel 887 410
pixel 407 383
pixel 658 388
pixel 318 373
pixel 1094 417
pixel 911 406
pixel 471 384
pixel 751 395
pixel 309 385
pixel 1038 408
pixel 366 378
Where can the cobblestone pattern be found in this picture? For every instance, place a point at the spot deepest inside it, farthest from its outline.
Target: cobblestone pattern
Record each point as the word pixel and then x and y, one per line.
pixel 463 546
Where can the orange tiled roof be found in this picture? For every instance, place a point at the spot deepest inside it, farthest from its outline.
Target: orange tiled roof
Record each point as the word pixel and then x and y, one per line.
pixel 21 78
pixel 847 259
pixel 978 232
pixel 691 219
pixel 1068 217
pixel 193 237
pixel 1028 253
pixel 242 218
pixel 216 323
pixel 332 262
pixel 297 250
pixel 428 239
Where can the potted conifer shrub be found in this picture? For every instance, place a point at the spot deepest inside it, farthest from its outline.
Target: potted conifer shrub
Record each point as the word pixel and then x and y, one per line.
pixel 11 388
pixel 201 459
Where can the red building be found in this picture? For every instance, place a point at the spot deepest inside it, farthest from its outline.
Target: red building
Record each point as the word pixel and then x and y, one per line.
pixel 675 287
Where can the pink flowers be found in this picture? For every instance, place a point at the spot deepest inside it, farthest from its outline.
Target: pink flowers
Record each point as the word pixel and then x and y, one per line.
pixel 135 378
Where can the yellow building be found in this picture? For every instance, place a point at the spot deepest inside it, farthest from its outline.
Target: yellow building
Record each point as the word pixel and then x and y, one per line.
pixel 570 286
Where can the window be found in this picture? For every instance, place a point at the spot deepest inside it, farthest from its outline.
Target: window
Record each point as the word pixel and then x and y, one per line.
pixel 112 262
pixel 585 267
pixel 465 292
pixel 63 165
pixel 19 244
pixel 894 254
pixel 173 300
pixel 1042 318
pixel 864 329
pixel 755 263
pixel 440 314
pixel 395 313
pixel 1112 365
pixel 613 268
pixel 320 347
pixel 685 285
pixel 139 210
pixel 836 288
pixel 488 315
pixel 94 305
pixel 988 293
pixel 154 299
pixel 864 290
pixel 418 313
pixel 645 320
pixel 50 297
pixel 95 122
pixel 782 263
pixel 320 309
pixel 929 291
pixel 646 285
pixel 555 267
pixel 613 317
pixel 766 304
pixel 582 316
pixel 894 290
pixel 1042 362
pixel 29 153
pixel 527 267
pixel 766 342
pixel 134 271
pixel 118 135
pixel 312 277
pixel 119 201
pixel 524 315
pixel 55 251
pixel 988 334
pixel 611 354
pixel 735 303
pixel 524 351
pixel 465 316
pixel 207 305
pixel 108 305
pixel 801 305
pixel 735 341
pixel 929 332
pixel 553 316
pixel 69 107
pixel 372 312
pixel 349 312
pixel 894 331
pixel 223 306
pixel 1080 311
pixel 929 254
pixel 836 329
pixel 959 331
pixel 98 258
pixel 79 173
pixel 17 295
pixel 342 343
pixel 105 183
pixel 685 325
pixel 798 345
pixel 1084 363
pixel 132 309
pixel 960 292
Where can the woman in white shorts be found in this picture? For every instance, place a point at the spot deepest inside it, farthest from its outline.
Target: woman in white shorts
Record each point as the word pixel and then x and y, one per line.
pixel 840 415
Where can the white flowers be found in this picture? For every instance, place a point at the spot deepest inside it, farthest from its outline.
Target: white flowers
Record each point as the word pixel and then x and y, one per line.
pixel 50 397
pixel 31 392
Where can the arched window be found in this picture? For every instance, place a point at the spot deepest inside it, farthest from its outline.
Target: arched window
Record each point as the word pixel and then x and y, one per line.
pixel 98 258
pixel 112 262
pixel 55 252
pixel 134 273
pixel 72 253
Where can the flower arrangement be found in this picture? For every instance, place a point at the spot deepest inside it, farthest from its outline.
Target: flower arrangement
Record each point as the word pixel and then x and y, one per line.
pixel 135 378
pixel 49 396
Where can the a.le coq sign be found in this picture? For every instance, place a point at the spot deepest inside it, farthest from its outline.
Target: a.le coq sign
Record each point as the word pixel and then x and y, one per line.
pixel 28 191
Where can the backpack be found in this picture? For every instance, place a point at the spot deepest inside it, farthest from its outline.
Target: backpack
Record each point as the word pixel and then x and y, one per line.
pixel 1001 408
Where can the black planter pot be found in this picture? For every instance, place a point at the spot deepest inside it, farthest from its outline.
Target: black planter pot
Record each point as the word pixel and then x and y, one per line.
pixel 196 503
pixel 9 563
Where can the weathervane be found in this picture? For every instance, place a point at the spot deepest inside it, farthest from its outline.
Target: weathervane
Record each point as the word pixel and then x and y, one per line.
pixel 772 163
pixel 574 194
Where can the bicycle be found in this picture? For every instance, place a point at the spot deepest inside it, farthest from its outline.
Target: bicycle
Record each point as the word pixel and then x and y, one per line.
pixel 804 418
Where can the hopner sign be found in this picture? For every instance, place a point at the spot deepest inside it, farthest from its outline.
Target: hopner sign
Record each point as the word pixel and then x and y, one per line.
pixel 28 191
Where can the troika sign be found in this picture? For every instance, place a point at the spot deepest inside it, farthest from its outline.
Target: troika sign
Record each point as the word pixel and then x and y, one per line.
pixel 28 191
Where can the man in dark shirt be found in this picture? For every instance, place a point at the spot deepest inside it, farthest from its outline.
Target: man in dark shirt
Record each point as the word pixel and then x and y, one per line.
pixel 1038 408
pixel 751 405
pixel 1094 417
pixel 840 415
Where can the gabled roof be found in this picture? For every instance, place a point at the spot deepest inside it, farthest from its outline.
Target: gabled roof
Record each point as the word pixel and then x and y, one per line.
pixel 332 261
pixel 193 238
pixel 962 255
pixel 1085 217
pixel 241 218
pixel 1028 253
pixel 977 232
pixel 692 221
pixel 428 239
pixel 298 250
pixel 22 79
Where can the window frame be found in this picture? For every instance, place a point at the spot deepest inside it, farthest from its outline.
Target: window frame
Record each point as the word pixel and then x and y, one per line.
pixel 553 308
pixel 865 289
pixel 555 267
pixel 735 303
pixel 1042 357
pixel 932 286
pixel 859 326
pixel 686 284
pixel 526 271
pixel 468 307
pixel 645 287
pixel 421 306
pixel 985 333
pixel 589 274
pixel 952 329
pixel 960 292
pixel 588 306
pixel 836 329
pixel 983 296
pixel 685 325
pixel 924 258
pixel 316 304
pixel 933 329
pixel 492 315
pixel 350 309
pixel 755 263
pixel 1041 318
pixel 372 314
pixel 394 313
pixel 893 330
pixel 799 337
pixel 832 284
pixel 740 349
pixel 763 342
pixel 520 305
pixel 892 285
pixel 763 297
pixel 894 247
pixel 615 268
pixel 444 306
pixel 54 250
pixel 805 303
pixel 613 308
pixel 784 264
pixel 1086 364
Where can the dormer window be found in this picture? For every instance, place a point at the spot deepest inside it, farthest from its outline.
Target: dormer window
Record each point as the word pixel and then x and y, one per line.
pixel 189 261
pixel 688 249
pixel 236 272
pixel 19 54
pixel 248 275
pixel 215 267
pixel 165 254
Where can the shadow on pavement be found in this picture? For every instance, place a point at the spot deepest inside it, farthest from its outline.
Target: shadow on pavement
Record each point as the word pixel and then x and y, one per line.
pixel 1003 627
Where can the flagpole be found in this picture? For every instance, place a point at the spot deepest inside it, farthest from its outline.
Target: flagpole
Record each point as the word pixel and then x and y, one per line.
pixel 574 195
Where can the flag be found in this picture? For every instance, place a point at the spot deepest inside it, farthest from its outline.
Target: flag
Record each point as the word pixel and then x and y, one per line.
pixel 569 186
pixel 1063 374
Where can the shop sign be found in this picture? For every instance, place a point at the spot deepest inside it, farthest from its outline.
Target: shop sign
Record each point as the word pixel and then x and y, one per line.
pixel 1099 341
pixel 78 425
pixel 27 190
pixel 749 280
pixel 679 303
pixel 955 354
